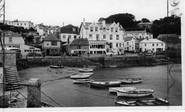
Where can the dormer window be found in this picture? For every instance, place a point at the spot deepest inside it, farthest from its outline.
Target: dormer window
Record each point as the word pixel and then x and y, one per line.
pixel 116 30
pixel 112 29
pixel 91 29
pixel 96 28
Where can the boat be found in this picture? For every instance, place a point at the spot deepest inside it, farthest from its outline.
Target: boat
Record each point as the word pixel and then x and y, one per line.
pixel 56 66
pixel 115 89
pixel 104 84
pixel 80 76
pixel 135 93
pixel 81 81
pixel 130 80
pixel 144 102
pixel 85 70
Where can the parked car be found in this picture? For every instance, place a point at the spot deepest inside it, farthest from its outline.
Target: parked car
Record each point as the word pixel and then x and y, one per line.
pixel 111 53
pixel 34 55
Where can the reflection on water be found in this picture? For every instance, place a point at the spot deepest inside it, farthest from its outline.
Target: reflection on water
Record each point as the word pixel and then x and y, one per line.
pixel 82 95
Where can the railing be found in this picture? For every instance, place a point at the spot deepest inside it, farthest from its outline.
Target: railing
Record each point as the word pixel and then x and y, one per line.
pixel 33 95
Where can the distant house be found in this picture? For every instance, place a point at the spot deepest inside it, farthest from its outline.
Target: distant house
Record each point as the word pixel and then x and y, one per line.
pixel 130 44
pixel 51 45
pixel 17 23
pixel 152 45
pixel 13 39
pixel 79 46
pixel 138 33
pixel 69 33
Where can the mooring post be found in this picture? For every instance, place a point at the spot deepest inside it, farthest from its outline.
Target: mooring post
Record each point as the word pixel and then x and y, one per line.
pixel 34 93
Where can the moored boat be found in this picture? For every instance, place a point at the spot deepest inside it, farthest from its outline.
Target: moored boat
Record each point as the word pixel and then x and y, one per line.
pixel 104 84
pixel 81 81
pixel 130 80
pixel 56 66
pixel 85 70
pixel 135 93
pixel 115 89
pixel 145 102
pixel 80 76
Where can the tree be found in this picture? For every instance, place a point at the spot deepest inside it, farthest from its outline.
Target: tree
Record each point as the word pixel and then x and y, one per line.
pixel 144 20
pixel 126 20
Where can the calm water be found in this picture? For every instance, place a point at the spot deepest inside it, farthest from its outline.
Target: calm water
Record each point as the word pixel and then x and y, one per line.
pixel 81 95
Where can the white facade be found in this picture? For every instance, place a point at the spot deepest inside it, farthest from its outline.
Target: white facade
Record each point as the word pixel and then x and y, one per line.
pixel 130 44
pixel 152 44
pixel 13 40
pixel 113 33
pixel 50 44
pixel 142 34
pixel 64 37
pixel 25 24
pixel 25 49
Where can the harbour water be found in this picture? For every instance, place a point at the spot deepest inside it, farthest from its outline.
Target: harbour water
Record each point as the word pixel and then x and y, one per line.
pixel 68 94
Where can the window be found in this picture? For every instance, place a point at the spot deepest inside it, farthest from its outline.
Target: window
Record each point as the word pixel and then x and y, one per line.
pixel 112 29
pixel 74 36
pixel 145 44
pixel 123 37
pixel 69 36
pixel 116 44
pixel 90 36
pixel 127 43
pixel 97 37
pixel 74 29
pixel 116 30
pixel 91 29
pixel 10 39
pixel 104 36
pixel 152 44
pixel 119 44
pixel 152 49
pixel 64 36
pixel 117 37
pixel 54 43
pixel 96 28
pixel 161 44
pixel 157 44
pixel 110 37
pixel 104 29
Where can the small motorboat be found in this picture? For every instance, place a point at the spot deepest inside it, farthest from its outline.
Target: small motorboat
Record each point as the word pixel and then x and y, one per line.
pixel 81 81
pixel 130 80
pixel 145 102
pixel 56 66
pixel 126 103
pixel 85 70
pixel 115 89
pixel 135 93
pixel 104 84
pixel 80 76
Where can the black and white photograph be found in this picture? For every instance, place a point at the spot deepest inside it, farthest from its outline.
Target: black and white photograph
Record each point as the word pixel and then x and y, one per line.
pixel 91 55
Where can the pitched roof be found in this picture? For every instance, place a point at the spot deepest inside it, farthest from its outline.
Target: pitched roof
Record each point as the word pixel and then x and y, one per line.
pixel 151 41
pixel 80 42
pixel 51 37
pixel 69 29
pixel 128 38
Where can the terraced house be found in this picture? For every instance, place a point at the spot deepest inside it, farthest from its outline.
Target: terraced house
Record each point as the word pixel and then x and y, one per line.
pixel 102 37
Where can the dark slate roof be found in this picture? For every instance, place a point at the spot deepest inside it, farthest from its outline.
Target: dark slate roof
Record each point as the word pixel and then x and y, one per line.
pixel 128 38
pixel 80 42
pixel 51 37
pixel 69 29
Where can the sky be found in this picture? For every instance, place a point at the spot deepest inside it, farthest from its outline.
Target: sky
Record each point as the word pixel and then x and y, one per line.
pixel 64 12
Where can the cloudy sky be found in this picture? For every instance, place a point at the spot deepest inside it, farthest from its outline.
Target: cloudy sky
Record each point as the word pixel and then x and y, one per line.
pixel 57 12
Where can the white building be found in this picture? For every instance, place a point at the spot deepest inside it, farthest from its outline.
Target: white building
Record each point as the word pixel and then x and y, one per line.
pixel 138 33
pixel 101 34
pixel 24 24
pixel 152 44
pixel 69 33
pixel 25 49
pixel 13 39
pixel 130 44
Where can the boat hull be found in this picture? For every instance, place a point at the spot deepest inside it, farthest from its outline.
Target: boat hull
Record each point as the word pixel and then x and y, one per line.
pixel 81 81
pixel 135 93
pixel 115 89
pixel 104 84
pixel 85 70
pixel 80 76
pixel 130 81
pixel 54 66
